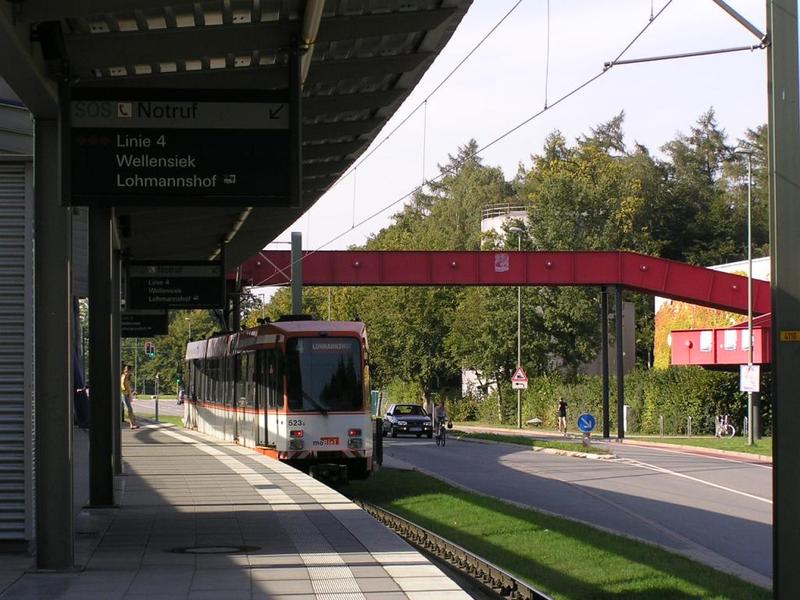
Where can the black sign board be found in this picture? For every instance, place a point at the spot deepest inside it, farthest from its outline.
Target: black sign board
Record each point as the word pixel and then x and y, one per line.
pixel 179 285
pixel 144 324
pixel 177 148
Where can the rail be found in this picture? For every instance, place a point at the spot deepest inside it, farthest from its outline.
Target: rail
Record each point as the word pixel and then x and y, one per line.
pixel 500 210
pixel 478 569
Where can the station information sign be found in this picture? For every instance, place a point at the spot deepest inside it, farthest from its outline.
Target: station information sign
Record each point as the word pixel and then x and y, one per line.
pixel 175 284
pixel 144 323
pixel 177 147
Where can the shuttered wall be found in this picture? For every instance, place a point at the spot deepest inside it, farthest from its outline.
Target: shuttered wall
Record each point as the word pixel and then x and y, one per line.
pixel 16 359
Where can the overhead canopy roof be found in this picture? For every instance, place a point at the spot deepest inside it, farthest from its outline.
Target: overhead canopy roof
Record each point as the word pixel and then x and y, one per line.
pixel 363 58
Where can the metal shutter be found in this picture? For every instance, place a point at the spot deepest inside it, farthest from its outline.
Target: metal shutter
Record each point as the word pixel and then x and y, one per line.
pixel 16 360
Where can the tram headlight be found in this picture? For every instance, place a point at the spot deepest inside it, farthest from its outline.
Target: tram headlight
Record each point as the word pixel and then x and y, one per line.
pixel 355 442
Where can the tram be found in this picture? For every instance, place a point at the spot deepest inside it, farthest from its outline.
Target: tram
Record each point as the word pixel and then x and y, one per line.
pixel 296 390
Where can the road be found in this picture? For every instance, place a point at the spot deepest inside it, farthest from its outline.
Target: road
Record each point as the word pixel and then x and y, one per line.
pixel 145 405
pixel 715 510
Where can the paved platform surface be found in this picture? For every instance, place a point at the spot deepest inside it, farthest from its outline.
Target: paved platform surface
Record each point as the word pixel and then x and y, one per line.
pixel 200 519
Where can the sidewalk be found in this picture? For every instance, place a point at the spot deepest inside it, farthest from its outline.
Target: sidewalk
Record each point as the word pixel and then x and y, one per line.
pixel 200 519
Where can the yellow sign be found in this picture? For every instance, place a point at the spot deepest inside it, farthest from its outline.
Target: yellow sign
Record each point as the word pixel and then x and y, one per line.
pixel 790 336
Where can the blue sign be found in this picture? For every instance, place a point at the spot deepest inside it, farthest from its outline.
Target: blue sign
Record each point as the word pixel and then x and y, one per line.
pixel 586 422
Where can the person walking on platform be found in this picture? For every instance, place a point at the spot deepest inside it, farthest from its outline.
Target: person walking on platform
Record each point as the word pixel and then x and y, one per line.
pixel 127 395
pixel 562 415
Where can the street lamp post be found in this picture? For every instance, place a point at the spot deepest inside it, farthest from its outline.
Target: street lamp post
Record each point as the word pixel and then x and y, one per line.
pixel 519 231
pixel 750 423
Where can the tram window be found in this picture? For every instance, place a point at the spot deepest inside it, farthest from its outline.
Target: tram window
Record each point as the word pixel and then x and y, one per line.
pixel 324 374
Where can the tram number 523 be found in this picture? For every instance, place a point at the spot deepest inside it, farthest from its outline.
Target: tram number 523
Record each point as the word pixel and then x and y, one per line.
pixel 296 423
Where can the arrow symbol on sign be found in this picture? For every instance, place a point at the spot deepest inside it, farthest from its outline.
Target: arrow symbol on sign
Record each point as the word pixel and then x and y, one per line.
pixel 275 112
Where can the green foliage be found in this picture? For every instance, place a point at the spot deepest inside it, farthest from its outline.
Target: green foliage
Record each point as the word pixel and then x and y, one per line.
pixel 674 394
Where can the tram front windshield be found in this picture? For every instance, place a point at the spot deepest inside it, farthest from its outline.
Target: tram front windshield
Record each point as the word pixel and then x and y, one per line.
pixel 324 374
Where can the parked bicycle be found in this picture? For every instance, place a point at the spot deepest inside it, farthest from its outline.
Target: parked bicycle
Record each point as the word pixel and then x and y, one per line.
pixel 724 427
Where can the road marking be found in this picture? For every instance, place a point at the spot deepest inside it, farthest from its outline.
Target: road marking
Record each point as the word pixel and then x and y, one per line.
pixel 741 461
pixel 658 469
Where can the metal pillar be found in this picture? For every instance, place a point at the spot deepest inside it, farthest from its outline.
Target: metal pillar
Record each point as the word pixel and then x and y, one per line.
pixel 784 186
pixel 116 363
pixel 236 310
pixel 620 364
pixel 604 359
pixel 55 528
pixel 297 273
pixel 295 123
pixel 104 389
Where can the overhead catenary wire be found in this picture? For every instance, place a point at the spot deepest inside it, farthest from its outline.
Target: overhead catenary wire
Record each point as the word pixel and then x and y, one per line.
pixel 428 97
pixel 505 134
pixel 477 152
pixel 547 56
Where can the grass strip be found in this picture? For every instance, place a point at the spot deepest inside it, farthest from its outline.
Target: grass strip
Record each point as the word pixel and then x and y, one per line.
pixel 560 557
pixel 736 444
pixel 524 440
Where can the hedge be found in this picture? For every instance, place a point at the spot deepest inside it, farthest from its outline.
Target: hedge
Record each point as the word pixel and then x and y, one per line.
pixel 668 395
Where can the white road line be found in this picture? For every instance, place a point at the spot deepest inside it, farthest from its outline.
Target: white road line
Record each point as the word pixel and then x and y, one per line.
pixel 740 461
pixel 658 469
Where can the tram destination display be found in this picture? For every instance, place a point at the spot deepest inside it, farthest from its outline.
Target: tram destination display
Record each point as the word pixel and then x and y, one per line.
pixel 175 284
pixel 177 147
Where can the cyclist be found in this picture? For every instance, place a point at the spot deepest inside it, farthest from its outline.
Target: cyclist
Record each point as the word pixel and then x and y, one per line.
pixel 440 416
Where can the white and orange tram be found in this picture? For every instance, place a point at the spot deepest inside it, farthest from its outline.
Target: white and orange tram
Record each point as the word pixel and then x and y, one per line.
pixel 296 390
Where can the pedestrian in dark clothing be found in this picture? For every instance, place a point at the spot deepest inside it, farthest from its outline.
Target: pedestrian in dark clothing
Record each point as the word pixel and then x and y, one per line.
pixel 562 415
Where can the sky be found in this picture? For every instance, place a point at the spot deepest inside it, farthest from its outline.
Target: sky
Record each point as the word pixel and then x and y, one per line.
pixel 504 83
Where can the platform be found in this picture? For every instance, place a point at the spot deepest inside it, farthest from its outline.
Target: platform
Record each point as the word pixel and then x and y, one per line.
pixel 200 519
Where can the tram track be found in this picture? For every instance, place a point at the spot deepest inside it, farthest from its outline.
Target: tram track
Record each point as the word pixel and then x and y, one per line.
pixel 482 572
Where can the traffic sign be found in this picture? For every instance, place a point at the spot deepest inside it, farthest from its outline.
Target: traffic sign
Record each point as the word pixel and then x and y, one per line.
pixel 587 422
pixel 519 380
pixel 749 378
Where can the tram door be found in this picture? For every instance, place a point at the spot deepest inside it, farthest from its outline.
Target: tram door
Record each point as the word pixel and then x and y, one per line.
pixel 244 396
pixel 272 397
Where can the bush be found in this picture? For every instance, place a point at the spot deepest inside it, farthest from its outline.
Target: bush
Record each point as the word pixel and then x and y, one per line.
pixel 672 394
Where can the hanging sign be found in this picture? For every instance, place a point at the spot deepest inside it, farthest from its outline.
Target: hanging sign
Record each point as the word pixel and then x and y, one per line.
pixel 177 147
pixel 179 285
pixel 144 323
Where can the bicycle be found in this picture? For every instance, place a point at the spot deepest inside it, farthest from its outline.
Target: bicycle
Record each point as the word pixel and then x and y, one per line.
pixel 441 433
pixel 724 428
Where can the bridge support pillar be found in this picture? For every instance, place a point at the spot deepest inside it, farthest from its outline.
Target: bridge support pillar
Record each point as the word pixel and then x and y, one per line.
pixel 620 363
pixel 604 359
